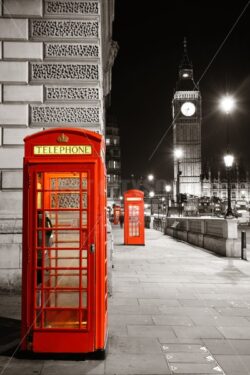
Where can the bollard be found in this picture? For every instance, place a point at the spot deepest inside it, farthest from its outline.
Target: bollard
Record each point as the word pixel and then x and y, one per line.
pixel 243 245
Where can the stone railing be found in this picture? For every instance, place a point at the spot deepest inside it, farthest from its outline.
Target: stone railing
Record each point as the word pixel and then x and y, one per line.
pixel 217 235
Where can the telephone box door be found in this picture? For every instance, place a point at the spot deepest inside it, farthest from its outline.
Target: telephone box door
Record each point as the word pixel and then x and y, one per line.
pixel 61 208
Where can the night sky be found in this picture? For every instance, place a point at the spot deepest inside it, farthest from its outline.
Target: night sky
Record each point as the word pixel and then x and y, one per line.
pixel 150 37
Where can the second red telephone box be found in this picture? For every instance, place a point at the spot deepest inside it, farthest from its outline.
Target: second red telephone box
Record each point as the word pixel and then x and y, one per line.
pixel 134 217
pixel 117 213
pixel 64 285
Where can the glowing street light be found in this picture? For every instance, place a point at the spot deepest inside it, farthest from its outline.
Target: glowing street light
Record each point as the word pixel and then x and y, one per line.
pixel 150 177
pixel 178 153
pixel 227 104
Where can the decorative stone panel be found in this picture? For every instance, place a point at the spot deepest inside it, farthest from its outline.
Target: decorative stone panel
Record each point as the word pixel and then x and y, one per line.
pixel 68 8
pixel 64 29
pixel 72 50
pixel 65 93
pixel 66 72
pixel 51 115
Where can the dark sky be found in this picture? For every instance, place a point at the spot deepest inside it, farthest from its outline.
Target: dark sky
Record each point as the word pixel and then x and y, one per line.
pixel 150 36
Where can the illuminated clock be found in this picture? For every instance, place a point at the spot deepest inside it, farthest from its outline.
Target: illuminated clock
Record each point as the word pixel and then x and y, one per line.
pixel 188 109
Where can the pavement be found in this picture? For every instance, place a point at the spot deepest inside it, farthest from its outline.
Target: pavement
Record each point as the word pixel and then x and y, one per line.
pixel 175 309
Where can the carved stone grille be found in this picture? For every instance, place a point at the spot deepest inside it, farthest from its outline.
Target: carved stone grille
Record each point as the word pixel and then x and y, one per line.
pixel 75 115
pixel 71 50
pixel 71 7
pixel 59 71
pixel 41 29
pixel 71 93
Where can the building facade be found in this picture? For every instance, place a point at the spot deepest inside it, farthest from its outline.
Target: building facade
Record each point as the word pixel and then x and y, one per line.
pixel 216 186
pixel 113 163
pixel 55 71
pixel 186 107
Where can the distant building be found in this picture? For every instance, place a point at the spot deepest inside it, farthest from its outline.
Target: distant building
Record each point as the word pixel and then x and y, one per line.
pixel 187 119
pixel 216 186
pixel 186 106
pixel 113 162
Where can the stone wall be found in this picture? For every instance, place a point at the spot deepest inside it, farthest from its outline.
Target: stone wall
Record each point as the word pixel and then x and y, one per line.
pixel 56 58
pixel 217 235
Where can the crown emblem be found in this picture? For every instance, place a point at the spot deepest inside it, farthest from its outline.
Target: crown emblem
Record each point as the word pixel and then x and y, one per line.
pixel 62 138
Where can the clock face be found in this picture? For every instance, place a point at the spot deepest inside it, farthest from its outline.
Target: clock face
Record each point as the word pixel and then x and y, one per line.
pixel 188 109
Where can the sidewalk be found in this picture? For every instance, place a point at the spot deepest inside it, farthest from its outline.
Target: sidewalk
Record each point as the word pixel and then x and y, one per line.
pixel 175 309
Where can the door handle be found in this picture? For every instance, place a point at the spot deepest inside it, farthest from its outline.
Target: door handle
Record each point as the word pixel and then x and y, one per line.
pixel 92 247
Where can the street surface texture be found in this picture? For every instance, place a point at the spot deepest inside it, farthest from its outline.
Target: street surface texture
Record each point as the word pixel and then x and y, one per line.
pixel 175 309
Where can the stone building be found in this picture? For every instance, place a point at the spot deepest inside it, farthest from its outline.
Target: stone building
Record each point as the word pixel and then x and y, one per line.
pixel 113 162
pixel 216 186
pixel 186 106
pixel 55 71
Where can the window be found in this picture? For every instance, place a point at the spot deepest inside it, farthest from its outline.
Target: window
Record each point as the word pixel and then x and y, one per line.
pixel 242 186
pixel 224 186
pixel 107 141
pixel 214 186
pixel 215 193
pixel 233 195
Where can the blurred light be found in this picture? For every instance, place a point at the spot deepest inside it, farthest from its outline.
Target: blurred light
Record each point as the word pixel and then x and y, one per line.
pixel 150 177
pixel 151 194
pixel 228 160
pixel 121 198
pixel 227 104
pixel 178 153
pixel 168 188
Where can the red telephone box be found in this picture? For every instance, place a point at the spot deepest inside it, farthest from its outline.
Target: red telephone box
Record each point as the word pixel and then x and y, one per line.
pixel 64 278
pixel 134 217
pixel 117 213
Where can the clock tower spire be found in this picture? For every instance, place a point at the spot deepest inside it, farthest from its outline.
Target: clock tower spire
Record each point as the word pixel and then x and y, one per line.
pixel 187 128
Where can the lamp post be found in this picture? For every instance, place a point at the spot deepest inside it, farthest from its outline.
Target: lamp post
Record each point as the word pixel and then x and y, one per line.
pixel 168 189
pixel 228 160
pixel 178 153
pixel 151 195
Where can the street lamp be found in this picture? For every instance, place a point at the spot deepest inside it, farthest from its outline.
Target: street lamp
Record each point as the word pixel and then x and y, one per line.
pixel 178 153
pixel 228 160
pixel 150 177
pixel 168 189
pixel 151 196
pixel 227 105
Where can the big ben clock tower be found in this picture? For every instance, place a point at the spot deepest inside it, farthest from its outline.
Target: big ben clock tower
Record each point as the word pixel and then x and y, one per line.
pixel 187 129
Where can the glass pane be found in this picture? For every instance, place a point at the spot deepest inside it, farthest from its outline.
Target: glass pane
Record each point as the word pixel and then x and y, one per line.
pixel 84 318
pixel 66 238
pixel 61 318
pixel 61 298
pixel 84 299
pixel 84 200
pixel 133 221
pixel 84 181
pixel 84 219
pixel 64 219
pixel 38 320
